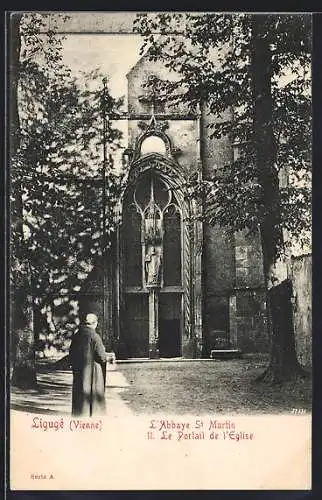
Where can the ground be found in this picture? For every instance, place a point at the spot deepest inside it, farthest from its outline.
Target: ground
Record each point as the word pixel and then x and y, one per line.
pixel 173 387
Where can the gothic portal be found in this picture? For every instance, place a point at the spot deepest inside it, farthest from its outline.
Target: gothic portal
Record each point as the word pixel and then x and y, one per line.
pixel 156 253
pixel 174 285
pixel 152 268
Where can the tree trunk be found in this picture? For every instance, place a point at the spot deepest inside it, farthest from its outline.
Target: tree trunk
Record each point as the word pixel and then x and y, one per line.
pixel 24 370
pixel 22 342
pixel 283 362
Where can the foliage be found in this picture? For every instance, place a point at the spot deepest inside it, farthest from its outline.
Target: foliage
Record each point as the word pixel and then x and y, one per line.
pixel 58 169
pixel 212 57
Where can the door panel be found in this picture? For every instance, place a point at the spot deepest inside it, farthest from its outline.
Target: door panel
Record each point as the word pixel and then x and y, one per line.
pixel 137 325
pixel 170 325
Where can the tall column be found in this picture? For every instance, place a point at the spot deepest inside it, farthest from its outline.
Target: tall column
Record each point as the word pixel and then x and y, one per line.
pixel 199 238
pixel 153 324
pixel 233 321
pixel 198 292
pixel 188 309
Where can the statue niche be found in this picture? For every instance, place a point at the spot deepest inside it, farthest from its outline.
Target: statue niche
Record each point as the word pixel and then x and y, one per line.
pixel 153 246
pixel 153 261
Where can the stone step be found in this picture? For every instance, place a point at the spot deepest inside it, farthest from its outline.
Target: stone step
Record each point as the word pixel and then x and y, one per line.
pixel 225 353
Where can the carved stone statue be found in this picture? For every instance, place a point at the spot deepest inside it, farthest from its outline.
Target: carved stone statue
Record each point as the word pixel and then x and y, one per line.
pixel 153 267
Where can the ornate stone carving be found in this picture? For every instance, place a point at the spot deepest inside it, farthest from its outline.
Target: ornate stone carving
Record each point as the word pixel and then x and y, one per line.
pixel 154 125
pixel 154 128
pixel 153 262
pixel 176 151
pixel 153 93
pixel 172 171
pixel 157 130
pixel 142 125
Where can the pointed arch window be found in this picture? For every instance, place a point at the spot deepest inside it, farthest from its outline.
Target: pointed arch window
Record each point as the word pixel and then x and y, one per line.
pixel 132 245
pixel 153 144
pixel 152 219
pixel 172 242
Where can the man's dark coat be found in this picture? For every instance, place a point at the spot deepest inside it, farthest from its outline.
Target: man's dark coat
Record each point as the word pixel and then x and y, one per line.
pixel 88 358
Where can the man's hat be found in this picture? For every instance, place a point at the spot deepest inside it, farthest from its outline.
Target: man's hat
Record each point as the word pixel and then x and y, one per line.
pixel 91 319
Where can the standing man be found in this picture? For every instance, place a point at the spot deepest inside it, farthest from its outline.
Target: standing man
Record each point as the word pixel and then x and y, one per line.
pixel 88 359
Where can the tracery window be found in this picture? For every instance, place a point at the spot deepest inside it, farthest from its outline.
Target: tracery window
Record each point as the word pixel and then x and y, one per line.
pixel 152 234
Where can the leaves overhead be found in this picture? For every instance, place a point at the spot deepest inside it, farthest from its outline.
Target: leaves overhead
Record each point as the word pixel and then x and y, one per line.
pixel 58 170
pixel 211 54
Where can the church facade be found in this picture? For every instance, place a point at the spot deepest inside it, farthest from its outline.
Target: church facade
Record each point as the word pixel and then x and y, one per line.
pixel 173 285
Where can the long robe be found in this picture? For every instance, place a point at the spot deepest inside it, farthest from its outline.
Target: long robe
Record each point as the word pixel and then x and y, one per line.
pixel 88 359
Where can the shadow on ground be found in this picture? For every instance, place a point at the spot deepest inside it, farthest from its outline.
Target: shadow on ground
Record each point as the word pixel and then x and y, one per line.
pixel 198 387
pixel 53 395
pixel 54 392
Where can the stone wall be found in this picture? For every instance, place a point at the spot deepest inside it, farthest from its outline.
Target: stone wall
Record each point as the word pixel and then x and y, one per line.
pixel 251 323
pixel 234 293
pixel 302 307
pixel 249 265
pixel 218 153
pixel 232 275
pixel 138 76
pixel 182 134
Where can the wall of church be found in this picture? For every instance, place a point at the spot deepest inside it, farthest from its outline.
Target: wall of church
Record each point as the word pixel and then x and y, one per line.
pixel 233 278
pixel 251 323
pixel 138 76
pixel 234 306
pixel 182 126
pixel 219 260
pixel 218 153
pixel 183 135
pixel 248 257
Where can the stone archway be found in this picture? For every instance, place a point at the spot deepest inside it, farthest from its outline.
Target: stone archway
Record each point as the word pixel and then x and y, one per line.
pixel 158 282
